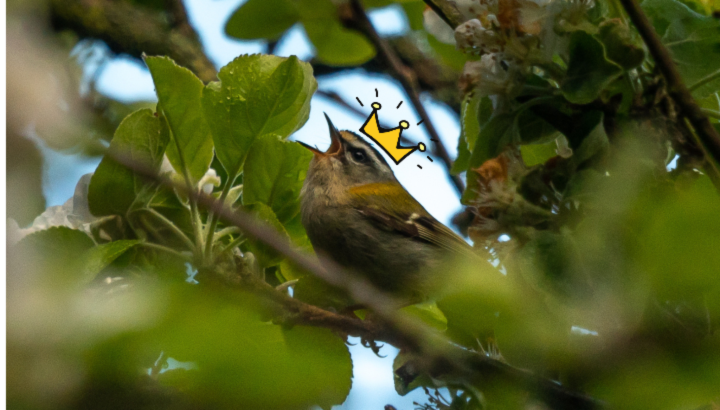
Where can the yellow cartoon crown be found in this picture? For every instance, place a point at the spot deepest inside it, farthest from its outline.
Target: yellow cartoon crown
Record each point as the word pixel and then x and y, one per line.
pixel 388 139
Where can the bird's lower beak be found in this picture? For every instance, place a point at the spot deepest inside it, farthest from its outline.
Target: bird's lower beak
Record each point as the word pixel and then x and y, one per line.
pixel 314 150
pixel 335 145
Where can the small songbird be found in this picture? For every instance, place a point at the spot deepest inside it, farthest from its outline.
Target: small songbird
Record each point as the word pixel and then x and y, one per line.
pixel 356 213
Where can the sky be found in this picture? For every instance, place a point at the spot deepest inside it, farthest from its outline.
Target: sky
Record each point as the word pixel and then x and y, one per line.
pixel 128 80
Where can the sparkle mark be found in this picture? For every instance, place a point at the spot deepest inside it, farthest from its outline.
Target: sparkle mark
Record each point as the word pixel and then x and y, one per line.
pixel 358 98
pixel 431 160
pixel 399 105
pixel 421 121
pixel 376 92
pixel 419 166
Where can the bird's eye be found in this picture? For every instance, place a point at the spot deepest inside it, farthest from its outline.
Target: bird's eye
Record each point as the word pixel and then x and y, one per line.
pixel 358 155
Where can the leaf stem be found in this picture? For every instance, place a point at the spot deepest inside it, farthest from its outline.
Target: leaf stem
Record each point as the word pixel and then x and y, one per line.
pixel 711 113
pixel 225 232
pixel 165 249
pixel 214 217
pixel 704 80
pixel 236 242
pixel 170 225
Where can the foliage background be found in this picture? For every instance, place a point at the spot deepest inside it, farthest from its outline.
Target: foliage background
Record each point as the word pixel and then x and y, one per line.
pixel 627 273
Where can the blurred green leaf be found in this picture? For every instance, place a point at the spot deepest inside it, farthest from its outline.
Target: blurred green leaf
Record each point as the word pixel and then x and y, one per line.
pixel 25 199
pixel 262 19
pixel 678 247
pixel 274 174
pixel 56 253
pixel 334 44
pixel 621 45
pixel 469 129
pixel 414 13
pixel 448 53
pixel 256 95
pixel 538 153
pixel 588 71
pixel 180 94
pixel 494 136
pixel 533 129
pixel 243 361
pixel 692 39
pixel 266 256
pixel 103 255
pixel 141 137
pixel 429 313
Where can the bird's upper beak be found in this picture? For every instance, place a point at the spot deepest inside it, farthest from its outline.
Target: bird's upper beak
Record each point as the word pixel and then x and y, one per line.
pixel 335 145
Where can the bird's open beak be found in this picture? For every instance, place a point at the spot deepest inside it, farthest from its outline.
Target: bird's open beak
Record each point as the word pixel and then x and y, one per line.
pixel 335 145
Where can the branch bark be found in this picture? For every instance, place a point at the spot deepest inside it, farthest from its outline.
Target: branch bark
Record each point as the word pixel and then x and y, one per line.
pixel 130 29
pixel 675 85
pixel 353 16
pixel 447 11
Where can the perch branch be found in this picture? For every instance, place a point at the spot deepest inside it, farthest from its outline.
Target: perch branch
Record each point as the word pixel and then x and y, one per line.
pixel 353 16
pixel 676 87
pixel 438 355
pixel 126 28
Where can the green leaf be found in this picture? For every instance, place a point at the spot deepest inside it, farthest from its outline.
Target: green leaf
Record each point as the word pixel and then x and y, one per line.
pixel 266 256
pixel 240 359
pixel 429 313
pixel 101 256
pixel 621 44
pixel 494 136
pixel 678 244
pixel 141 138
pixel 473 113
pixel 692 39
pixel 274 173
pixel 588 137
pixel 262 19
pixel 180 94
pixel 538 153
pixel 589 72
pixel 56 252
pixel 256 95
pixel 334 44
pixel 533 129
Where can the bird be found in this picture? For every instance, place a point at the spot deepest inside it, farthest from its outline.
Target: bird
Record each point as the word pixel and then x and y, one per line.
pixel 356 213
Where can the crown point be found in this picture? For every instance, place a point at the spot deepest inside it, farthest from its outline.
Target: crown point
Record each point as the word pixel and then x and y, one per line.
pixel 404 124
pixel 421 147
pixel 376 106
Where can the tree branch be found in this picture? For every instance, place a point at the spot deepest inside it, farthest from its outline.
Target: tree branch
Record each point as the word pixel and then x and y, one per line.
pixel 436 354
pixel 676 87
pixel 447 11
pixel 130 29
pixel 353 16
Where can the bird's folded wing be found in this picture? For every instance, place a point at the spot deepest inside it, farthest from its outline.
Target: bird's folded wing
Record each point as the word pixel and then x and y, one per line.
pixel 393 208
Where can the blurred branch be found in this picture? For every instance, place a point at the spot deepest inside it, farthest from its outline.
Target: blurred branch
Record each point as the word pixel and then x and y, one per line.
pixel 433 76
pixel 353 16
pixel 435 354
pixel 676 87
pixel 134 30
pixel 447 11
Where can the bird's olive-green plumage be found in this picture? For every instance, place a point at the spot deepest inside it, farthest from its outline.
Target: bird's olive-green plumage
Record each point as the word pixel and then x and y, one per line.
pixel 357 213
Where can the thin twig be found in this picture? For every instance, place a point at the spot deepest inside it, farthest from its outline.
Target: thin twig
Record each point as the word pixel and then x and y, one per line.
pixel 356 19
pixel 447 11
pixel 675 85
pixel 168 224
pixel 338 99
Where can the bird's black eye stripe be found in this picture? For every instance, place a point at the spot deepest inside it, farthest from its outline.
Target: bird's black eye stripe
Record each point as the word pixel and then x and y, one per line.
pixel 359 155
